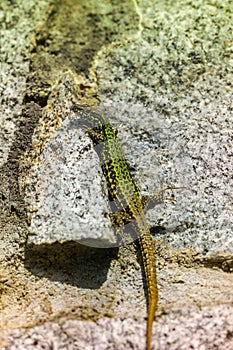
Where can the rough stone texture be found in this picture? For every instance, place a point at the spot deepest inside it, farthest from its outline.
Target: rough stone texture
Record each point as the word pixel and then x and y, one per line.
pixel 163 72
pixel 18 23
pixel 180 65
pixel 69 192
pixel 171 333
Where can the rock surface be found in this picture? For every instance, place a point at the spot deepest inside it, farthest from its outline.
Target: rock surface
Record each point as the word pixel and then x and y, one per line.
pixel 162 71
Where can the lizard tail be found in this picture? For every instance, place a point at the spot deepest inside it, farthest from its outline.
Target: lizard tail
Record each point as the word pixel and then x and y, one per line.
pixel 149 264
pixel 152 306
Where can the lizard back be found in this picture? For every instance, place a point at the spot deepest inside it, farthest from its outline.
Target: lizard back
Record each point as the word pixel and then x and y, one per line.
pixel 126 202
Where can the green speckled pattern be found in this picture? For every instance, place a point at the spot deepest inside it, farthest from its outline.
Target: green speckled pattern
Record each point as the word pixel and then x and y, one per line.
pixel 124 193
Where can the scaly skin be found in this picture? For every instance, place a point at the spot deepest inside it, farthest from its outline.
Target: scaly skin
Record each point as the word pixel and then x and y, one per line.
pixel 125 196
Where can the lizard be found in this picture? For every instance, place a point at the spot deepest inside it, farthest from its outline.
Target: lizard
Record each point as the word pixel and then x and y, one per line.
pixel 124 193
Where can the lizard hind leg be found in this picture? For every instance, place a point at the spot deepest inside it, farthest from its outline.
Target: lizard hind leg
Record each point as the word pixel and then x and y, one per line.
pixel 149 201
pixel 124 227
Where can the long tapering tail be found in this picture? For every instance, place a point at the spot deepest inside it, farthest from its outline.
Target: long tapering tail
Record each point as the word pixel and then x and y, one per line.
pixel 149 264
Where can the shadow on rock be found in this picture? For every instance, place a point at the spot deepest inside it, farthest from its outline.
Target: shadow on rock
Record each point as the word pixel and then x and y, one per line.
pixel 70 263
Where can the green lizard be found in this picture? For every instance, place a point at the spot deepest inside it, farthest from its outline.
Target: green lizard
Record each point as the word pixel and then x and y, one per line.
pixel 124 194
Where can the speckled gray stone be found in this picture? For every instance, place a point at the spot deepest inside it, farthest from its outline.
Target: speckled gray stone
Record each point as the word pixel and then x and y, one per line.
pixel 193 153
pixel 70 201
pixel 180 65
pixel 166 84
pixel 17 26
pixel 180 331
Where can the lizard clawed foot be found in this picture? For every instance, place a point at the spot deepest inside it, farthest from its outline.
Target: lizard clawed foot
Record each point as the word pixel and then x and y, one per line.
pixel 158 197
